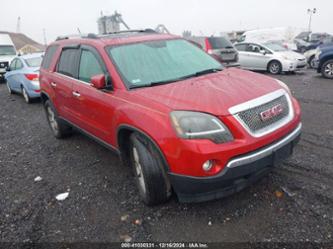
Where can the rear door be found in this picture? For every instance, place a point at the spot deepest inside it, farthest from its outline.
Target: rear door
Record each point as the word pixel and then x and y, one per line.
pixel 62 81
pixel 93 108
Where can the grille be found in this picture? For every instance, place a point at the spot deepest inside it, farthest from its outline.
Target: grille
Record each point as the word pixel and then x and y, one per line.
pixel 251 117
pixel 4 64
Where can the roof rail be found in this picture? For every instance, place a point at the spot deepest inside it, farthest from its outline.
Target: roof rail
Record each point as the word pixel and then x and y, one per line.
pixel 132 31
pixel 77 36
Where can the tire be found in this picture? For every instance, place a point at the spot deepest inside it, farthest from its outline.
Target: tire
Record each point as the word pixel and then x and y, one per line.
pixel 327 69
pixel 274 67
pixel 26 97
pixel 311 62
pixel 58 127
pixel 149 173
pixel 10 91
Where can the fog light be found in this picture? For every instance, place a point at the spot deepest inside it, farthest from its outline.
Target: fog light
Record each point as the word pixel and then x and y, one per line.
pixel 207 166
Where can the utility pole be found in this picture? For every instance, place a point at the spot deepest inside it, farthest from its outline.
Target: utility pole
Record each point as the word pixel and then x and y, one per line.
pixel 18 25
pixel 310 13
pixel 44 35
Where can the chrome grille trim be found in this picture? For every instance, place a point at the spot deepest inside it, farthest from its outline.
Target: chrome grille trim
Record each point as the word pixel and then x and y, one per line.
pixel 266 99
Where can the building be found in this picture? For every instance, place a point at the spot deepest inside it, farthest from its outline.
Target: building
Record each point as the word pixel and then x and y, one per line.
pixel 24 44
pixel 110 24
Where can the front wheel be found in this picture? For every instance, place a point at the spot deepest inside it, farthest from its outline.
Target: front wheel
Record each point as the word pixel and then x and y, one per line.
pixel 148 170
pixel 274 67
pixel 327 69
pixel 312 62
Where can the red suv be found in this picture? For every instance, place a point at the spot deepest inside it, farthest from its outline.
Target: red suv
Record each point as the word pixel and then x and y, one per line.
pixel 172 112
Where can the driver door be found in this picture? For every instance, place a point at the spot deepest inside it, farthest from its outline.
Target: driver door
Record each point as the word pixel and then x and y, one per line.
pixel 258 57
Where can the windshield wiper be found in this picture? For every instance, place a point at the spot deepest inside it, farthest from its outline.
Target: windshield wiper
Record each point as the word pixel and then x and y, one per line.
pixel 162 82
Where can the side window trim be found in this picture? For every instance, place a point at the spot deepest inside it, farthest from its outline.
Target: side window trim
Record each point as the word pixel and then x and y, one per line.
pixel 13 65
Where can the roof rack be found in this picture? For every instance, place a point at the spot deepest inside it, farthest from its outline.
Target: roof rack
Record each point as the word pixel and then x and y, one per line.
pixel 77 36
pixel 94 36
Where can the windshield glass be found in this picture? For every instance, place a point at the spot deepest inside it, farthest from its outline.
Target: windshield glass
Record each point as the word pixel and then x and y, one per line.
pixel 34 62
pixel 144 63
pixel 7 50
pixel 276 47
pixel 219 42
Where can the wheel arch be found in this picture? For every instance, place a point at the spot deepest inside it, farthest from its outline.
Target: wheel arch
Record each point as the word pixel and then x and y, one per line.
pixel 123 133
pixel 44 97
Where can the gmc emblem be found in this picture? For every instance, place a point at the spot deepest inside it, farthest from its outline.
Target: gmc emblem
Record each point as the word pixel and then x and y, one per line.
pixel 272 112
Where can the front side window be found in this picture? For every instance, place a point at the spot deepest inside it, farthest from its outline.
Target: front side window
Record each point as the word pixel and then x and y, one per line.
pixel 89 66
pixel 7 50
pixel 145 63
pixel 67 62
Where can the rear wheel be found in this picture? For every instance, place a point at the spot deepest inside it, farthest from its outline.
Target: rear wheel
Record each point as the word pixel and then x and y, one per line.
pixel 274 67
pixel 26 96
pixel 327 69
pixel 58 127
pixel 148 170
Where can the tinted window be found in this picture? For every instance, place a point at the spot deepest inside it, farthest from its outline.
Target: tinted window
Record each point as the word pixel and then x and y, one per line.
pixel 48 57
pixel 89 66
pixel 219 42
pixel 241 47
pixel 67 62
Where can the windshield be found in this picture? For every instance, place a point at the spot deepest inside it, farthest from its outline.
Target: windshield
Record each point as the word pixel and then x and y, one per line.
pixel 141 64
pixel 34 62
pixel 7 50
pixel 219 42
pixel 276 47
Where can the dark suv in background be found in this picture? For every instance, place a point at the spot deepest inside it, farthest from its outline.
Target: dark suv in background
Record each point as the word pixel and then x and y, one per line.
pixel 219 47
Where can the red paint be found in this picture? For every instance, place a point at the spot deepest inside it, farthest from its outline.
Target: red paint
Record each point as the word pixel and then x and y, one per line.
pixel 101 113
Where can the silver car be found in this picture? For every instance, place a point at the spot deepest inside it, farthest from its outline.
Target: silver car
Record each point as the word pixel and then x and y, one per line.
pixel 270 56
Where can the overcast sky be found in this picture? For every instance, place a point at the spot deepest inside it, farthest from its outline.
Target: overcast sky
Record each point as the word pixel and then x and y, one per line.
pixel 60 17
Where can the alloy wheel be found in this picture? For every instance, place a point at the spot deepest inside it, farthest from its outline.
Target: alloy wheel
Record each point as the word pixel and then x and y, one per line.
pixel 329 70
pixel 138 170
pixel 52 120
pixel 274 68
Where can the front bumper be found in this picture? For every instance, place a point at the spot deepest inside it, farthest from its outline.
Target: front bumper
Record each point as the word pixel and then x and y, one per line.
pixel 239 173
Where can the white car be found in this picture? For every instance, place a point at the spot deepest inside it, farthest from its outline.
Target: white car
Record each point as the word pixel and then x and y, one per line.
pixel 270 56
pixel 7 54
pixel 310 57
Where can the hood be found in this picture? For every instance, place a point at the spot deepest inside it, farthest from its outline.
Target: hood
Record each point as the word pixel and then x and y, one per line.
pixel 9 58
pixel 214 93
pixel 291 55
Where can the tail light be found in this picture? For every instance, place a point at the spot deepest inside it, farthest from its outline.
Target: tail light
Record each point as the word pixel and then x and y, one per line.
pixel 209 48
pixel 32 77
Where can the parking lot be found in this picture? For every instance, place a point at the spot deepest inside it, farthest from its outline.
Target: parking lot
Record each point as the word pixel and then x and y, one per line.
pixel 293 203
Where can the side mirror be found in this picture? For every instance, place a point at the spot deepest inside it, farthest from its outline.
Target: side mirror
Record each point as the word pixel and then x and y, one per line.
pixel 98 81
pixel 8 69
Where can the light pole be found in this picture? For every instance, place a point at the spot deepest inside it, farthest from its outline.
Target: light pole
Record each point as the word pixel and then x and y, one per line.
pixel 311 12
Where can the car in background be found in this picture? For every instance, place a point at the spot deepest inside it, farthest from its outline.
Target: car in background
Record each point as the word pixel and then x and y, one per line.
pixel 7 53
pixel 271 56
pixel 306 41
pixel 324 61
pixel 283 35
pixel 311 54
pixel 218 47
pixel 22 76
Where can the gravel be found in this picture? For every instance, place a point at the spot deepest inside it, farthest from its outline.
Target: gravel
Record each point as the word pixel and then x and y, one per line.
pixel 103 204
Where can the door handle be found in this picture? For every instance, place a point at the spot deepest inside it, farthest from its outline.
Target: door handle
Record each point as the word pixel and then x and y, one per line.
pixel 53 84
pixel 76 94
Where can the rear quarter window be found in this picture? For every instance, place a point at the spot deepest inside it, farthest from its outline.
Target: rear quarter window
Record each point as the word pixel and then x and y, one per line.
pixel 67 64
pixel 49 56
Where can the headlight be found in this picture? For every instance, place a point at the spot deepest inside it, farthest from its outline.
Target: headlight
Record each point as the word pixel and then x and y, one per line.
pixel 198 125
pixel 317 54
pixel 284 85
